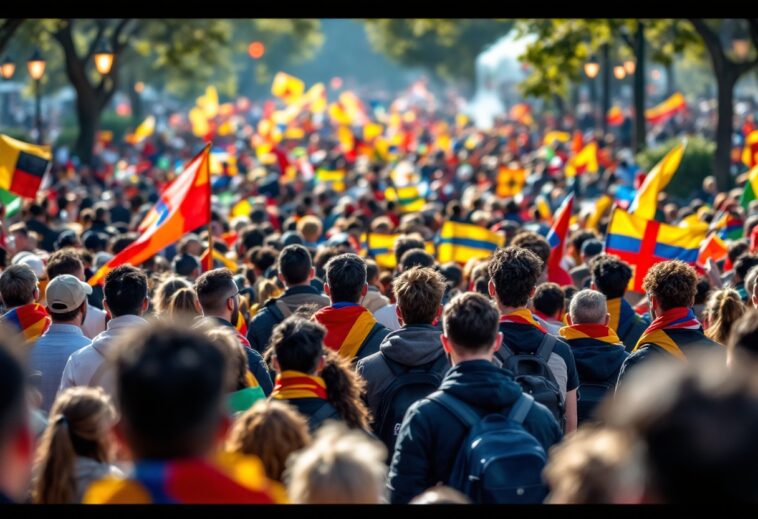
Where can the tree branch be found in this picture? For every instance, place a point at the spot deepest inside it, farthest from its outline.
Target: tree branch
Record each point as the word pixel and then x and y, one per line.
pixel 102 25
pixel 752 24
pixel 116 44
pixel 712 43
pixel 7 29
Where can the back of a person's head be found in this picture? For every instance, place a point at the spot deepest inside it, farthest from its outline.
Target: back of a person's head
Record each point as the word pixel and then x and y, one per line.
pixel 165 292
pixel 453 274
pixel 549 299
pixel 578 238
pixel 341 466
pixel 470 322
pixel 17 286
pixel 226 340
pixel 298 343
pixel 723 309
pixel 183 305
pixel 750 280
pixel 406 243
pixel 696 423
pixel 743 337
pixel 125 290
pixel 310 227
pixel 588 307
pixel 251 237
pixel 533 242
pixel 271 430
pixel 346 277
pixel 263 257
pixel 611 275
pixel 214 287
pixel 185 265
pixel 419 292
pixel 170 383
pixel 64 261
pixel 673 284
pixel 736 249
pixel 440 495
pixel 294 264
pixel 514 272
pixel 78 426
pixel 415 258
pixel 744 264
pixel 372 271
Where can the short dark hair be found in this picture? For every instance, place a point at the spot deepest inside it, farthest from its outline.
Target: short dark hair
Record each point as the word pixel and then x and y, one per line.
pixel 346 276
pixel 122 241
pixel 471 322
pixel 535 243
pixel 12 390
pixel 745 263
pixel 125 290
pixel 298 343
pixel 372 270
pixel 673 283
pixel 323 255
pixel 170 386
pixel 737 249
pixel 514 271
pixel 404 244
pixel 610 274
pixel 185 264
pixel 64 261
pixel 549 298
pixel 744 335
pixel 415 258
pixel 418 292
pixel 578 238
pixel 294 264
pixel 251 236
pixel 214 287
pixel 17 285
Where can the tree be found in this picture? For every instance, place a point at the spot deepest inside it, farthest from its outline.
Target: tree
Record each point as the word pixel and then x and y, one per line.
pixel 8 28
pixel 447 48
pixel 727 71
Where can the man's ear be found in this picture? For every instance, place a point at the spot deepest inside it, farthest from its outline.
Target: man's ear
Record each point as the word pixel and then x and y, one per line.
pixel 107 308
pixel 36 294
pixel 491 288
pixel 321 364
pixel 281 278
pixel 399 314
pixel 532 292
pixel 445 343
pixel 607 319
pixel 364 290
pixel 498 342
pixel 327 290
pixel 145 304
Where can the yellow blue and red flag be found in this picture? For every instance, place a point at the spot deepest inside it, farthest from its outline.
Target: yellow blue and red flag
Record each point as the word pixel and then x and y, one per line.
pixel 556 237
pixel 461 242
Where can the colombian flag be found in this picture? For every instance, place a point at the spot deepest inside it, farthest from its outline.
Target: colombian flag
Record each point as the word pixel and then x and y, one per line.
pixel 334 177
pixel 183 207
pixel 408 198
pixel 643 243
pixel 646 200
pixel 461 241
pixel 556 237
pixel 381 247
pixel 750 192
pixel 510 182
pixel 666 110
pixel 583 162
pixel 22 166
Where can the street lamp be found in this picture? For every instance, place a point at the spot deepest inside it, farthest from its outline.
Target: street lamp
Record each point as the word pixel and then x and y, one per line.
pixel 619 72
pixel 629 66
pixel 256 50
pixel 741 47
pixel 104 58
pixel 592 67
pixel 36 67
pixel 8 68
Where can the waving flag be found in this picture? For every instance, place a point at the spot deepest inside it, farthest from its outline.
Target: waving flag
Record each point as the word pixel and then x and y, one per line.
pixel 551 137
pixel 666 110
pixel 510 181
pixel 461 241
pixel 583 162
pixel 143 131
pixel 286 87
pixel 22 166
pixel 600 207
pixel 408 198
pixel 729 227
pixel 750 192
pixel 334 177
pixel 615 116
pixel 184 206
pixel 556 237
pixel 642 243
pixel 750 150
pixel 11 202
pixel 381 247
pixel 646 200
pixel 713 248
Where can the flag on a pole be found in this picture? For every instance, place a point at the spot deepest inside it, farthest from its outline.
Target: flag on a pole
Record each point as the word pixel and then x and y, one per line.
pixel 646 200
pixel 556 237
pixel 583 162
pixel 408 198
pixel 22 166
pixel 666 110
pixel 461 241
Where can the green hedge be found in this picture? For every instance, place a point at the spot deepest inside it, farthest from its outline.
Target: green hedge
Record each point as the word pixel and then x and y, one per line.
pixel 108 121
pixel 697 164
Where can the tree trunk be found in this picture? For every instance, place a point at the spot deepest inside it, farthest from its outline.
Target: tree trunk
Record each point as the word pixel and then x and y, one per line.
pixel 560 107
pixel 670 79
pixel 88 114
pixel 606 88
pixel 726 80
pixel 640 126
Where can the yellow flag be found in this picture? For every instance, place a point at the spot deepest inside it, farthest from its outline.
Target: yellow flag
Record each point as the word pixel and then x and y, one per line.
pixel 143 131
pixel 199 122
pixel 646 200
pixel 286 87
pixel 583 162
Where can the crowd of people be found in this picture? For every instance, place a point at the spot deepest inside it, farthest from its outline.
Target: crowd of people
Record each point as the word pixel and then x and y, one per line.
pixel 305 368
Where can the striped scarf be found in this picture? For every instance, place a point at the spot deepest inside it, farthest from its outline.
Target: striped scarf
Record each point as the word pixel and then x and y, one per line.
pixel 679 318
pixel 29 320
pixel 522 316
pixel 347 326
pixel 599 332
pixel 296 384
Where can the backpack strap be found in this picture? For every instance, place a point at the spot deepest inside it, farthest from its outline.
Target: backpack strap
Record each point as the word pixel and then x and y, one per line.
pixel 456 407
pixel 322 414
pixel 521 408
pixel 546 347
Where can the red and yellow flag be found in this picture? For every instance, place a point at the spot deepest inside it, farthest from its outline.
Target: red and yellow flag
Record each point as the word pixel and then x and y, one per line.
pixel 583 162
pixel 666 110
pixel 183 207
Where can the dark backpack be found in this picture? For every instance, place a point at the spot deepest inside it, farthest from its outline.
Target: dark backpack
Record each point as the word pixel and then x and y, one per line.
pixel 590 395
pixel 534 376
pixel 499 462
pixel 409 385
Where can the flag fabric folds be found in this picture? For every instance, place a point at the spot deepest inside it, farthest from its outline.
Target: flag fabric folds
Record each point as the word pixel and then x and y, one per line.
pixel 183 207
pixel 643 243
pixel 713 248
pixel 510 181
pixel 286 87
pixel 381 247
pixel 750 192
pixel 461 242
pixel 601 207
pixel 646 200
pixel 556 237
pixel 583 162
pixel 22 166
pixel 666 110
pixel 728 226
pixel 750 150
pixel 408 198
pixel 143 131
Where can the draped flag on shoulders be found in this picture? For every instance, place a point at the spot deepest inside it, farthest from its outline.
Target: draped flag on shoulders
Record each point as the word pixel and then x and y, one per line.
pixel 510 181
pixel 22 166
pixel 728 226
pixel 646 200
pixel 556 237
pixel 750 192
pixel 183 207
pixel 643 243
pixel 461 241
pixel 666 110
pixel 583 162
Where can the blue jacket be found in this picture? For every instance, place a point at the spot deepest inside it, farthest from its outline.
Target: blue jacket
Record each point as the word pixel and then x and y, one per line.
pixel 315 410
pixel 430 436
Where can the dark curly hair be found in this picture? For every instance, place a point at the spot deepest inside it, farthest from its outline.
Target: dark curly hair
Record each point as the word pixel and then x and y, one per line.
pixel 534 242
pixel 514 271
pixel 673 283
pixel 610 274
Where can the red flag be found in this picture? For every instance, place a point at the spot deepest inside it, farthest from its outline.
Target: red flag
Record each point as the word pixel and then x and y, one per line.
pixel 712 248
pixel 557 240
pixel 183 207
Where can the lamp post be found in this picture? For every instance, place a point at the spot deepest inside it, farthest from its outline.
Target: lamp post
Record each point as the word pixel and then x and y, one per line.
pixel 36 66
pixel 256 50
pixel 103 59
pixel 591 69
pixel 7 69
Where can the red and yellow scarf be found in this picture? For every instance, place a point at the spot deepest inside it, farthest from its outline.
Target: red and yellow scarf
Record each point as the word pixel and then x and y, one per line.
pixel 346 327
pixel 679 318
pixel 522 316
pixel 296 384
pixel 599 332
pixel 30 320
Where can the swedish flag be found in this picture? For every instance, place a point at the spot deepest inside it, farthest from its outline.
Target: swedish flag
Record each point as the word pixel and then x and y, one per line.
pixel 460 242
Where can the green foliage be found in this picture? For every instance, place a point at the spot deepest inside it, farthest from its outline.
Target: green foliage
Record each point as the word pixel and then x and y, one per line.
pixel 697 163
pixel 446 47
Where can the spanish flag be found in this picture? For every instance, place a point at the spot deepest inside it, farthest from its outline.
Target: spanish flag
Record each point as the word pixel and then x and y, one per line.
pixel 750 192
pixel 286 87
pixel 183 207
pixel 643 243
pixel 615 116
pixel 334 177
pixel 583 162
pixel 666 110
pixel 646 200
pixel 510 181
pixel 461 241
pixel 22 166
pixel 208 263
pixel 381 247
pixel 408 198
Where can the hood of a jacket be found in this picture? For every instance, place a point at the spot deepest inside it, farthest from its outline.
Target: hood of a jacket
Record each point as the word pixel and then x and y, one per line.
pixel 596 360
pixel 482 385
pixel 413 345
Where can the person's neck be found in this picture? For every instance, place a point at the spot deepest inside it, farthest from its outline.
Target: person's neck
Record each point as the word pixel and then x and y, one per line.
pixel 455 359
pixel 305 283
pixel 505 310
pixel 76 323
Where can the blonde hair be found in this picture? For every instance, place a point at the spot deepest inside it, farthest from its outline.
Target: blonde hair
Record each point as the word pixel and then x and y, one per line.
pixel 164 294
pixel 341 466
pixel 308 226
pixel 265 290
pixel 236 361
pixel 271 430
pixel 722 310
pixel 79 420
pixel 183 304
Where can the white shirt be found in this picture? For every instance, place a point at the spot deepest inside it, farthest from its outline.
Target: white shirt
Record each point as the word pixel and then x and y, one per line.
pixel 94 322
pixel 387 316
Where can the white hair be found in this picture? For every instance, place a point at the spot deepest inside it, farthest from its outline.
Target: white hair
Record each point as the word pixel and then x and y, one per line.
pixel 588 307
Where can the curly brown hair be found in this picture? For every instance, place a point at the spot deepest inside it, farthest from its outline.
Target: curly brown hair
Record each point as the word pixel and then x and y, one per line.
pixel 534 242
pixel 514 271
pixel 673 283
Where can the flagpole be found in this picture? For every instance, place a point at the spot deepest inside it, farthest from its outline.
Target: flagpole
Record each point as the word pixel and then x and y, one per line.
pixel 210 210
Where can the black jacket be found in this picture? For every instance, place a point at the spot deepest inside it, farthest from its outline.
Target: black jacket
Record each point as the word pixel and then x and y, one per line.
pixel 430 436
pixel 275 310
pixel 316 410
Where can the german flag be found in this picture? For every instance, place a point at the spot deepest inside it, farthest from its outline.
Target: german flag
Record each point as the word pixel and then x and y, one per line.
pixel 22 166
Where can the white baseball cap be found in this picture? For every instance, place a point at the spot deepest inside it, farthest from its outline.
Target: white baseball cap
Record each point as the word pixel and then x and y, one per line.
pixel 66 293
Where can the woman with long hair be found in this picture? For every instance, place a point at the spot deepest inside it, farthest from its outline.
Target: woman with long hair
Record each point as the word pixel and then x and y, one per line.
pixel 722 310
